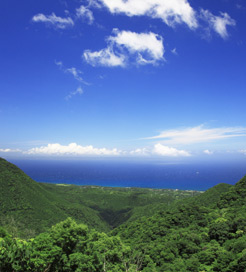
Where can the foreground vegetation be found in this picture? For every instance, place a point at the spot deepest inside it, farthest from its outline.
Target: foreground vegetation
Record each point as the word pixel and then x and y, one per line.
pixel 202 233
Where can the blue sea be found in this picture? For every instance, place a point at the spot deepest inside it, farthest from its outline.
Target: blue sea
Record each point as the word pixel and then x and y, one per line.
pixel 189 176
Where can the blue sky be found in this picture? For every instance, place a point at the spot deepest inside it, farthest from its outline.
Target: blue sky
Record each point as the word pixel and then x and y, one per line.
pixel 123 78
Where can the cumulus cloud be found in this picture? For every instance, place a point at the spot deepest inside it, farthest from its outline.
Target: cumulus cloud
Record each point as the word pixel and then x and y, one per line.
pixel 243 151
pixel 218 23
pixel 53 20
pixel 78 91
pixel 85 13
pixel 148 46
pixel 139 152
pixel 171 12
pixel 208 152
pixel 198 134
pixel 72 149
pixel 167 151
pixel 105 57
pixel 143 48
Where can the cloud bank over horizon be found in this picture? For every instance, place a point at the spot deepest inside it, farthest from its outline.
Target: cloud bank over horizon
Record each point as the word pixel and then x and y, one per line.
pixel 170 143
pixel 79 150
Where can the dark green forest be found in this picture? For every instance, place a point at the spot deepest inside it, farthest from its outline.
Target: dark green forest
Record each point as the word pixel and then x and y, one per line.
pixel 48 228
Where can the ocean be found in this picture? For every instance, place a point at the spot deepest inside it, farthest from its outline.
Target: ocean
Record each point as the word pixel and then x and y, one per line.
pixel 154 174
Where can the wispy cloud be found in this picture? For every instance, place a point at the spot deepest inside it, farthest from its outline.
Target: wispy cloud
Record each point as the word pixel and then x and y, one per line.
pixel 171 12
pixel 53 20
pixel 218 23
pixel 85 13
pixel 198 134
pixel 76 73
pixel 72 149
pixel 174 51
pixel 78 91
pixel 8 150
pixel 141 48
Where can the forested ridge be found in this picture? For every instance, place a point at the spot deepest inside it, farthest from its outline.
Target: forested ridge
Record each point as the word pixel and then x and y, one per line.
pixel 205 232
pixel 29 208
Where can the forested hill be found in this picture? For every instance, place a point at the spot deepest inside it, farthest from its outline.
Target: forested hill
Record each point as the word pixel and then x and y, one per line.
pixel 195 234
pixel 200 234
pixel 24 200
pixel 28 207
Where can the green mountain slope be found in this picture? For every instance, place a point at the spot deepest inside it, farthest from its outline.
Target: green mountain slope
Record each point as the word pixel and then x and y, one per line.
pixel 118 205
pixel 205 233
pixel 26 206
pixel 30 206
pixel 23 200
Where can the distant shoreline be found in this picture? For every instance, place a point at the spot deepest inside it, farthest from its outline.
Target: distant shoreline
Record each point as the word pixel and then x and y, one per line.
pixel 120 188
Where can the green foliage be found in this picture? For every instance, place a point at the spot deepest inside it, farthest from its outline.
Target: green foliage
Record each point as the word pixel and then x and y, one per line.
pixel 67 246
pixel 24 203
pixel 29 208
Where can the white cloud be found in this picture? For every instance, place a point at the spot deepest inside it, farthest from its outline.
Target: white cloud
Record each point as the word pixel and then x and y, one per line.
pixel 78 91
pixel 85 13
pixel 104 57
pixel 53 20
pixel 72 149
pixel 208 152
pixel 143 48
pixel 218 23
pixel 169 11
pixel 8 150
pixel 198 134
pixel 149 44
pixel 167 151
pixel 139 152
